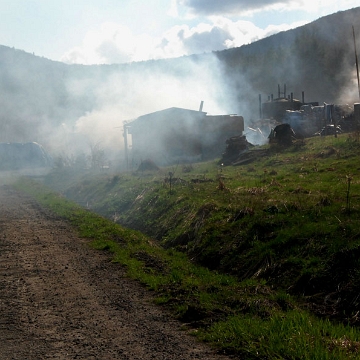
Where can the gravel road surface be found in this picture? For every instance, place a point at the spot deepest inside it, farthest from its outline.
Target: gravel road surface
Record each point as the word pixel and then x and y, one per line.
pixel 60 299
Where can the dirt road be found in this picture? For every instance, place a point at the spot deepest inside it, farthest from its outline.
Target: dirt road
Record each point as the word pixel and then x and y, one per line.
pixel 59 299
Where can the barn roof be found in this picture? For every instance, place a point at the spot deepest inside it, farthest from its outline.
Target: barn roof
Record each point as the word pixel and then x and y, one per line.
pixel 172 114
pixel 173 109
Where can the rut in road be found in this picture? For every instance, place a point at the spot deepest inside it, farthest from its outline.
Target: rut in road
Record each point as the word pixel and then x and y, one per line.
pixel 60 299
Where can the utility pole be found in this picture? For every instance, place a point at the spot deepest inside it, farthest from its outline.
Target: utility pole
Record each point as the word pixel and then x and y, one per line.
pixel 126 127
pixel 356 62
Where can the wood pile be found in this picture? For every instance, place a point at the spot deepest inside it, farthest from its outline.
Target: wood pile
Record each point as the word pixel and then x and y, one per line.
pixel 235 146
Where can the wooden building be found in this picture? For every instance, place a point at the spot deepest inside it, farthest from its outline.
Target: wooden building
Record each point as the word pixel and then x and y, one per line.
pixel 177 135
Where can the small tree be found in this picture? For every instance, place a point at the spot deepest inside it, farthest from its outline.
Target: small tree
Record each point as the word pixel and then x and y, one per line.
pixel 97 156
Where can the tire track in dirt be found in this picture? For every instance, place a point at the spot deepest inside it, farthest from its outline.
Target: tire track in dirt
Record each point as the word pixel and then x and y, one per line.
pixel 59 299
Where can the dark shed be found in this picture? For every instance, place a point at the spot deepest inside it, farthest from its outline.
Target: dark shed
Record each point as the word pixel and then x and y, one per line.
pixel 181 135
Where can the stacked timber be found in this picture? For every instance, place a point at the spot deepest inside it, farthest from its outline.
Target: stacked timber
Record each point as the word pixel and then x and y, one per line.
pixel 234 147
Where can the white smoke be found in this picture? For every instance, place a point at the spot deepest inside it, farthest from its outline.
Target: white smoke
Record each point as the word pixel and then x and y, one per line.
pixel 126 95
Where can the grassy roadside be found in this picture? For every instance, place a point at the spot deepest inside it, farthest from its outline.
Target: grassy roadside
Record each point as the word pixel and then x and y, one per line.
pixel 290 218
pixel 249 318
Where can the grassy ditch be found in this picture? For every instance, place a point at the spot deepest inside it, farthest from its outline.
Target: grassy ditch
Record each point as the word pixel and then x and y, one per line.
pixel 289 218
pixel 249 318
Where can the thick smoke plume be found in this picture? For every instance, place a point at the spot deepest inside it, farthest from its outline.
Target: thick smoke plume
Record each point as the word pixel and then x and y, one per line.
pixel 72 109
pixel 130 93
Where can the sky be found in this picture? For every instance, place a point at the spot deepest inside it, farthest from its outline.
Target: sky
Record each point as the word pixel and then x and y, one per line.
pixel 122 31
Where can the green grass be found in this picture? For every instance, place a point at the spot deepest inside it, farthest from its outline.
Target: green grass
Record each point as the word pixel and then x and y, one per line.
pixel 300 202
pixel 295 335
pixel 269 253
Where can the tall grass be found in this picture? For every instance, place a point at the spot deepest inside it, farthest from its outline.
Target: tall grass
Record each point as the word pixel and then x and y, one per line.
pixel 291 335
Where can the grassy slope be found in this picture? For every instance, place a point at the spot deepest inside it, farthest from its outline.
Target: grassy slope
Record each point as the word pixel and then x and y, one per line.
pixel 290 217
pixel 287 224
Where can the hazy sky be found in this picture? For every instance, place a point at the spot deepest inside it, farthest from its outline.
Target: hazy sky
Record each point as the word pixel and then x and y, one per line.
pixel 118 31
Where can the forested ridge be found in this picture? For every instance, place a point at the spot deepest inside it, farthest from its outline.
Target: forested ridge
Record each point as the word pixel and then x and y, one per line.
pixel 38 95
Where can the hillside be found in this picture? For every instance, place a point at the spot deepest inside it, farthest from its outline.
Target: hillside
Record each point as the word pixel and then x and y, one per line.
pixel 49 102
pixel 289 218
pixel 259 260
pixel 311 58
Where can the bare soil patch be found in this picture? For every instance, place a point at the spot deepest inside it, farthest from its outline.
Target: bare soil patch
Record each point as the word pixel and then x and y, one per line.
pixel 60 299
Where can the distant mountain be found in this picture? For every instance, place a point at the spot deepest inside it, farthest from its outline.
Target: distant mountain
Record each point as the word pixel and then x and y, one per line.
pixel 317 58
pixel 39 98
